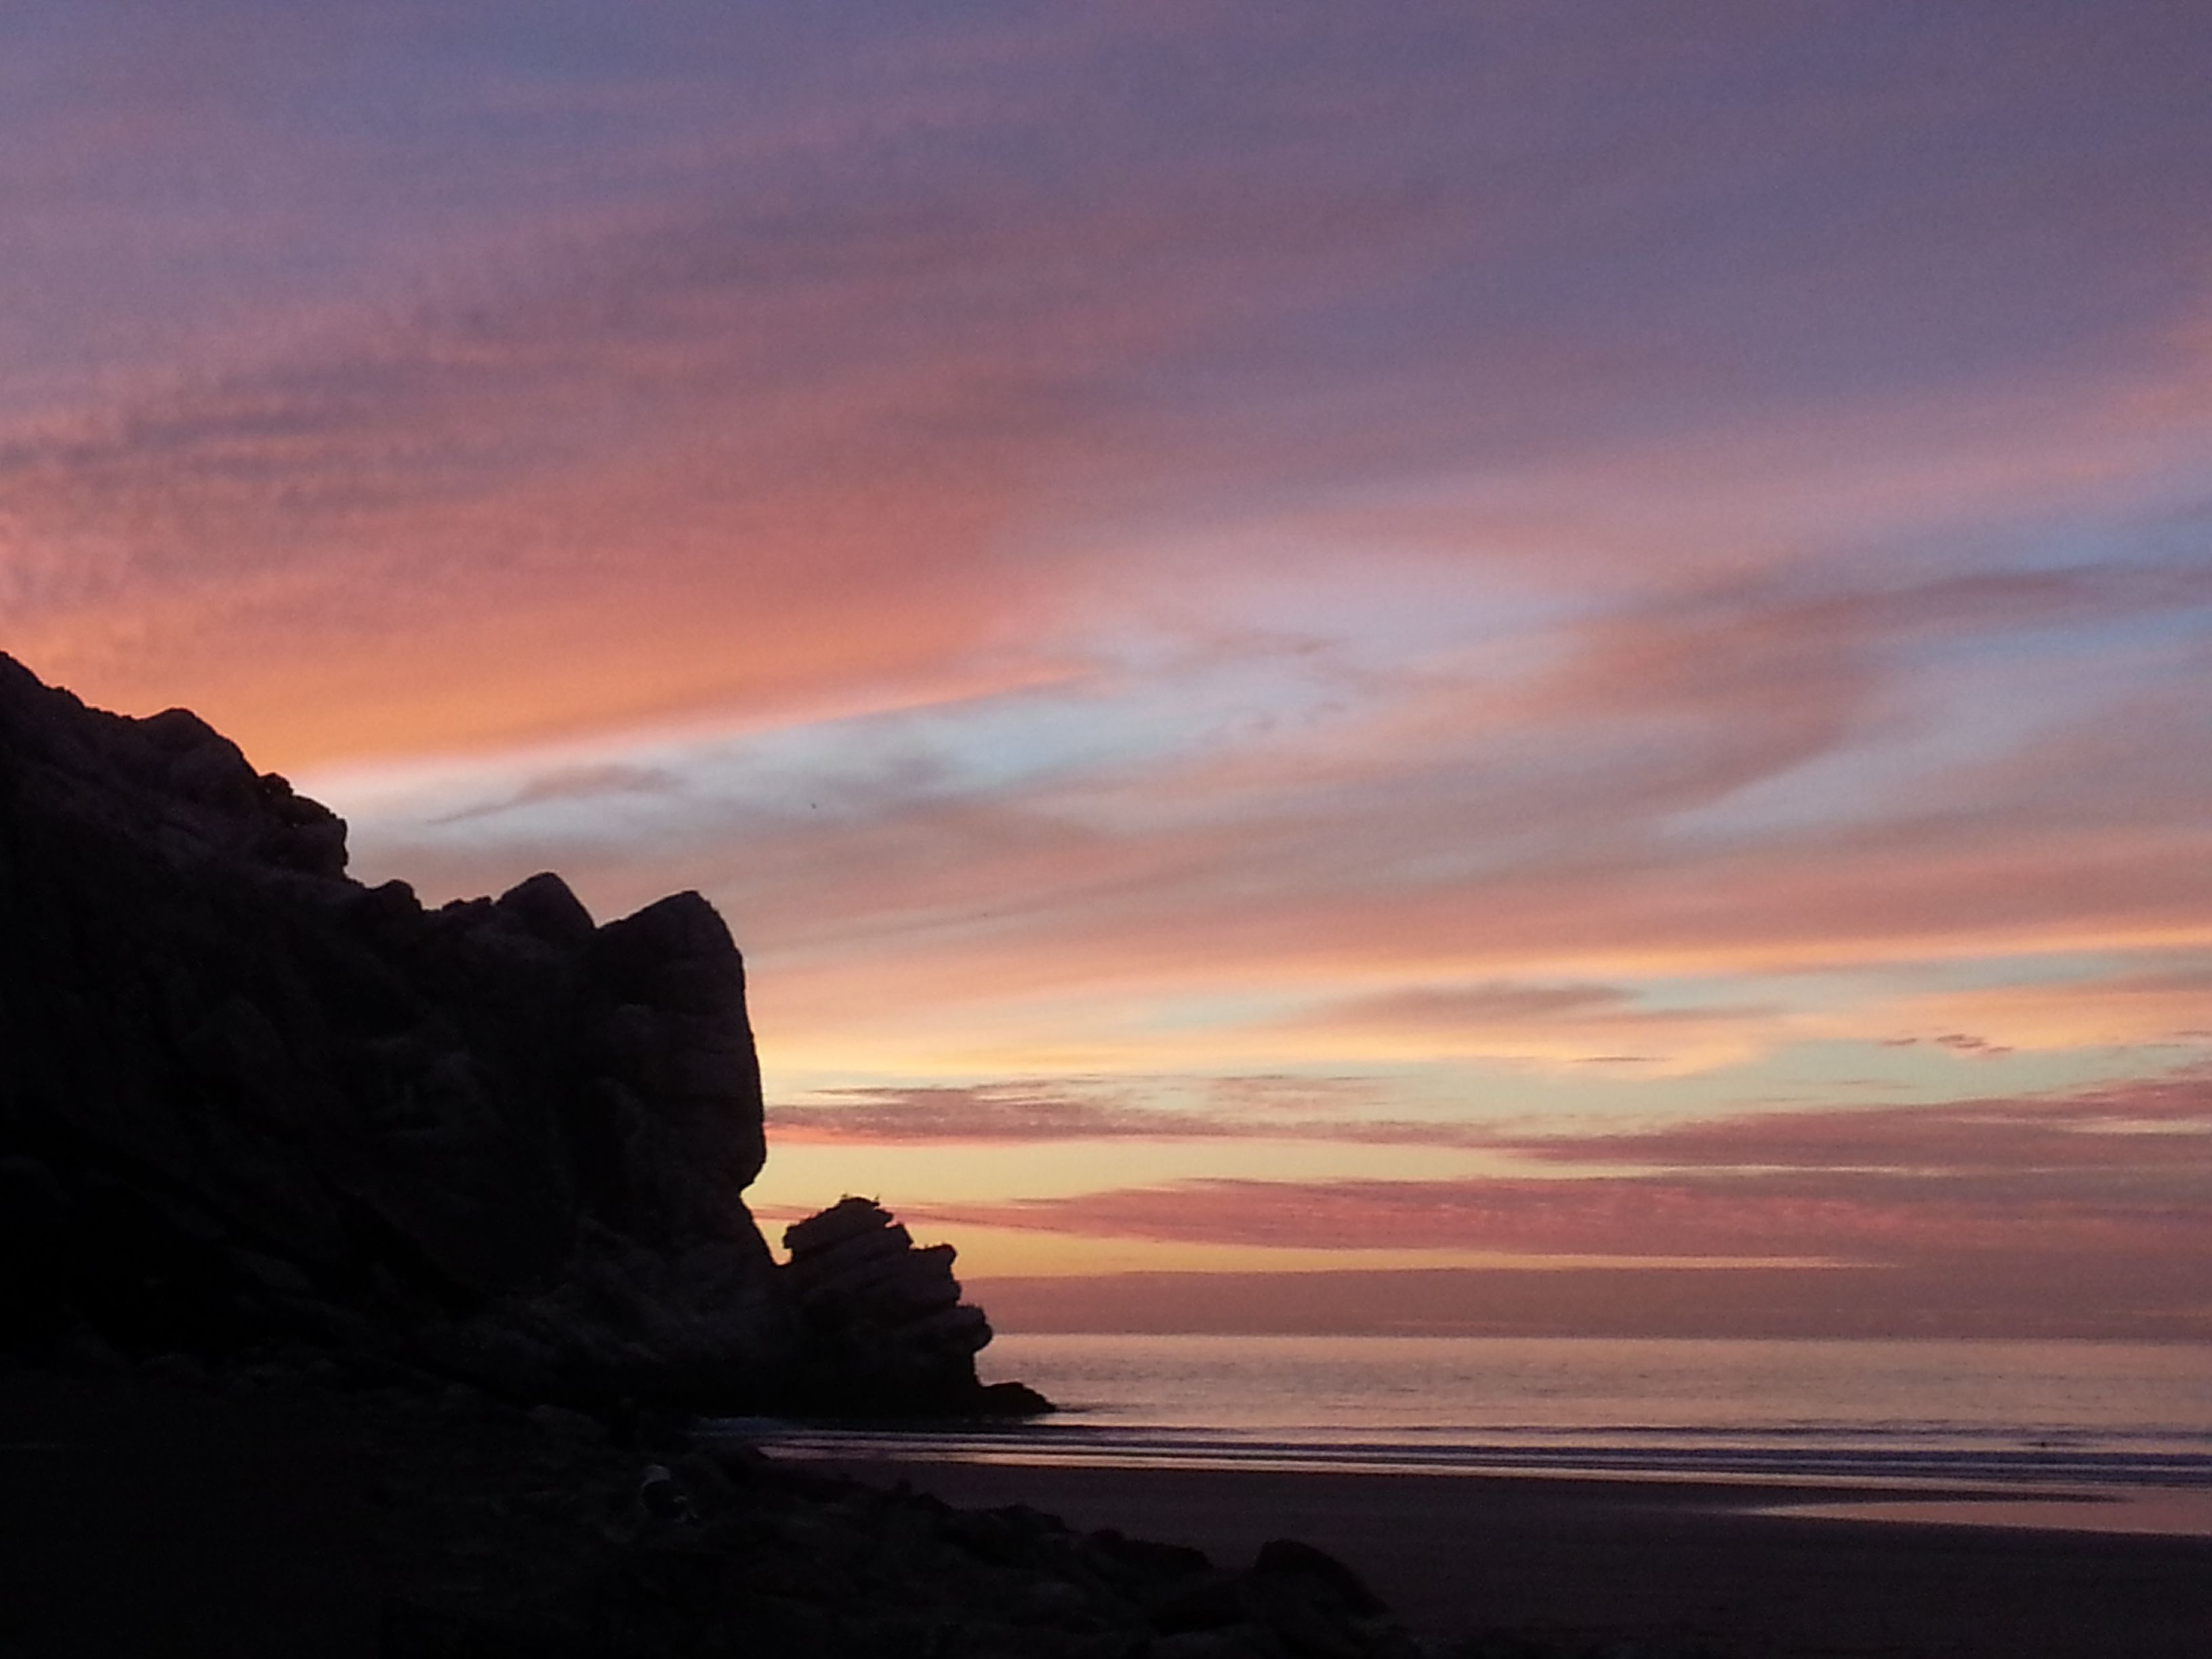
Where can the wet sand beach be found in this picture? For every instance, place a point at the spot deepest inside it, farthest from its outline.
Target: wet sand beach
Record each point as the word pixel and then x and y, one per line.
pixel 1578 1562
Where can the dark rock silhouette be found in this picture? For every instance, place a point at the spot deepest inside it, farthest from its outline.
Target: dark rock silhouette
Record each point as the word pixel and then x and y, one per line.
pixel 883 1321
pixel 244 1098
pixel 435 1216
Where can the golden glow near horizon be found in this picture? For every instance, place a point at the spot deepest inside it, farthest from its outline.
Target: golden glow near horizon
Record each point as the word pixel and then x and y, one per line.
pixel 1485 640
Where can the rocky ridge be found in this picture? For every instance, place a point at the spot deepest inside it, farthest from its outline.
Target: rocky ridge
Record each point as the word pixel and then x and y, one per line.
pixel 245 1098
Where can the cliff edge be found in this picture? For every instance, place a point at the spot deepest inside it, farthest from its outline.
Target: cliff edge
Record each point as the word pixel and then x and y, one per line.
pixel 245 1098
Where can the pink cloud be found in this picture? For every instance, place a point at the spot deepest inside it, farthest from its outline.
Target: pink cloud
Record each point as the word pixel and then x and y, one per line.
pixel 999 1112
pixel 724 451
pixel 1850 1216
pixel 2031 1294
pixel 2157 1128
pixel 2161 1127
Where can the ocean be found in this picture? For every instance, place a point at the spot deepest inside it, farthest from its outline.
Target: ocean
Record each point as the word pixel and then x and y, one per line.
pixel 2047 1421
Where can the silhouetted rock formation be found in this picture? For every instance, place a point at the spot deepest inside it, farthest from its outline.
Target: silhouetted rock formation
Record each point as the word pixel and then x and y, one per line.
pixel 243 1097
pixel 771 1560
pixel 886 1330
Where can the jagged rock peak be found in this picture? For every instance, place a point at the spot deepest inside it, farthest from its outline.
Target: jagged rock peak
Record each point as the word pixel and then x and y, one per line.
pixel 171 777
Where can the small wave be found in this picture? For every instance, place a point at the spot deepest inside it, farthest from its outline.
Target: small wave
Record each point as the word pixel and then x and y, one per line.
pixel 1783 1458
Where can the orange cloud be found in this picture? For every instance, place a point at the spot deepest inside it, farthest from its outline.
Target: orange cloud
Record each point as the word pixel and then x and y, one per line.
pixel 2144 1005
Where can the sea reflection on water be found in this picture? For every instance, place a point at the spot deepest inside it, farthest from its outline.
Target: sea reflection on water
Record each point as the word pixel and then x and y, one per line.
pixel 2038 1422
pixel 2163 1511
pixel 2056 1395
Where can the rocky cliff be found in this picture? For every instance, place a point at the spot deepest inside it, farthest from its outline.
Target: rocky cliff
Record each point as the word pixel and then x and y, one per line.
pixel 245 1097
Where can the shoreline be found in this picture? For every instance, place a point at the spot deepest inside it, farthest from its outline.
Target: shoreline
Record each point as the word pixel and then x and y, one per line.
pixel 2033 1496
pixel 1974 1492
pixel 1576 1562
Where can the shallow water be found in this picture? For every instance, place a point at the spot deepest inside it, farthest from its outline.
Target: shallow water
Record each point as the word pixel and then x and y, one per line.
pixel 2031 1419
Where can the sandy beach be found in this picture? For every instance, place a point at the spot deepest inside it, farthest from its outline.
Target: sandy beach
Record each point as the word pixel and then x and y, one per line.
pixel 1576 1563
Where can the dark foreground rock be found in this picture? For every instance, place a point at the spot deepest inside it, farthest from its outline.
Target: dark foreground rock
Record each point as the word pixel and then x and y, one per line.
pixel 775 1560
pixel 244 1098
pixel 252 1517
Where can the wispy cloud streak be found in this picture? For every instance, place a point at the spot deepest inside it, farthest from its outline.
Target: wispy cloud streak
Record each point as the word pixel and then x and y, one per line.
pixel 1438 567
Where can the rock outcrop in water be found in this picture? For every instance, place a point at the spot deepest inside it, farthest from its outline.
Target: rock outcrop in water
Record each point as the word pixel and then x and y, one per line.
pixel 243 1097
pixel 883 1317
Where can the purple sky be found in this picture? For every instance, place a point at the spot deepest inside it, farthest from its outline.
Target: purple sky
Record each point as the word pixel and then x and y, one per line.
pixel 1572 634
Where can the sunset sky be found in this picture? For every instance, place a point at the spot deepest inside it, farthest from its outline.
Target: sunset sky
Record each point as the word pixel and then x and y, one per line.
pixel 1555 659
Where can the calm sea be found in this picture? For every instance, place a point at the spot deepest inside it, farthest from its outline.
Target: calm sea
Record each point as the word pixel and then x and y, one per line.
pixel 2088 1417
